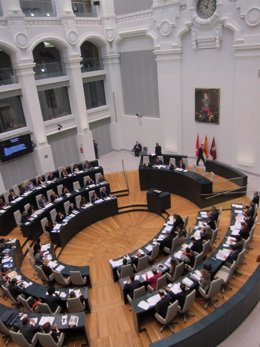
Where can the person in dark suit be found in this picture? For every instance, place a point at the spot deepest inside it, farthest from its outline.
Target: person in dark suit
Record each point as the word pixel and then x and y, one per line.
pixel 55 333
pixel 167 242
pixel 27 329
pixel 52 299
pixel 51 177
pixel 64 173
pixel 14 289
pixel 180 164
pixel 64 191
pixel 137 149
pixel 178 222
pixel 60 216
pixel 235 250
pixel 53 196
pixel 197 245
pixel 46 269
pixel 42 202
pixel 38 257
pixel 131 285
pixel 179 296
pixel 94 197
pixel 158 149
pixel 71 207
pixel 24 218
pixel 200 155
pixel 12 196
pixel 87 165
pixel 255 199
pixel 88 182
pixel 244 231
pixel 162 306
pixel 214 213
pixel 41 181
pixel 104 193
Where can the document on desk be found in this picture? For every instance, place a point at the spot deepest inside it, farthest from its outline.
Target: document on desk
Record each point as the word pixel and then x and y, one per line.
pixel 45 247
pixel 176 288
pixel 149 274
pixel 144 305
pixel 149 248
pixel 223 254
pixel 26 284
pixel 152 301
pixel 237 206
pixel 60 267
pixel 187 282
pixel 52 264
pixel 46 319
pixel 177 255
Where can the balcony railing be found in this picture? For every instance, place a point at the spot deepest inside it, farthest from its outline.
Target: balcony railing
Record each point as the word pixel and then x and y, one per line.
pixel 7 76
pixel 90 64
pixel 83 9
pixel 37 8
pixel 48 70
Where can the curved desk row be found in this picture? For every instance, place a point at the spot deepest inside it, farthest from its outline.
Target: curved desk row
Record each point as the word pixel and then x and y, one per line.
pixel 189 184
pixel 7 220
pixel 84 218
pixel 12 318
pixel 34 289
pixel 33 229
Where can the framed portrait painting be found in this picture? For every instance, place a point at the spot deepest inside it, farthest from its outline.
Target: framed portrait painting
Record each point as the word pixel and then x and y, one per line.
pixel 207 105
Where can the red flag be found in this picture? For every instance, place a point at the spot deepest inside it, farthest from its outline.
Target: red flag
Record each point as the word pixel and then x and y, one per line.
pixel 206 147
pixel 213 151
pixel 197 145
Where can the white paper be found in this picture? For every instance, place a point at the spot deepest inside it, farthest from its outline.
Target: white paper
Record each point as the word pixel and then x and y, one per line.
pixel 144 305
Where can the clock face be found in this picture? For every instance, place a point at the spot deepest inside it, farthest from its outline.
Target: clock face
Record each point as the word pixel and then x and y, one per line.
pixel 206 8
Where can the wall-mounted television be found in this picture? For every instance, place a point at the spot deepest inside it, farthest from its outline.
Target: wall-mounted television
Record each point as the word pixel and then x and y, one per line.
pixel 15 147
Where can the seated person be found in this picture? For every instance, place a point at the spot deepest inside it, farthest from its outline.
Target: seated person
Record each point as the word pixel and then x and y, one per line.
pixel 244 231
pixel 30 185
pixel 171 166
pixel 41 181
pixel 173 265
pixel 131 285
pixel 23 189
pixel 206 232
pixel 197 245
pixel 52 299
pixel 240 242
pixel 104 193
pixel 2 203
pixel 75 168
pixel 36 246
pixel 167 242
pixel 249 220
pixel 83 201
pixel 137 149
pixel 179 296
pixel 73 295
pixel 55 333
pixel 214 213
pixel 235 250
pixel 158 161
pixel 27 329
pixel 45 268
pixel 38 257
pixel 48 226
pixel 87 165
pixel 64 173
pixel 101 179
pixel 51 177
pixel 255 199
pixel 60 216
pixel 42 202
pixel 180 164
pixel 162 306
pixel 31 210
pixel 88 182
pixel 178 221
pixel 211 222
pixel 12 196
pixel 24 218
pixel 14 288
pixel 188 256
pixel 53 196
pixel 152 281
pixel 71 208
pixel 135 257
pixel 205 279
pixel 64 191
pixel 94 197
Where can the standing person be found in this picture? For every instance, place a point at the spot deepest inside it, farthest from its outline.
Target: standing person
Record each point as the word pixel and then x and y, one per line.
pixel 137 148
pixel 200 155
pixel 158 149
pixel 95 149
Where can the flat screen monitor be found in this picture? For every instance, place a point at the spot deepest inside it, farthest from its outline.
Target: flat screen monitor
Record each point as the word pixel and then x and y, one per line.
pixel 15 147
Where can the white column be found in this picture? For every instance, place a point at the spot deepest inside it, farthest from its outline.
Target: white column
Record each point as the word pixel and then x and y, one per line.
pixel 11 8
pixel 114 97
pixel 42 153
pixel 169 89
pixel 2 186
pixel 78 108
pixel 107 8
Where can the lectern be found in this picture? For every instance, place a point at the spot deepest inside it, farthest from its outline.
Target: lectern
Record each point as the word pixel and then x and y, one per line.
pixel 158 201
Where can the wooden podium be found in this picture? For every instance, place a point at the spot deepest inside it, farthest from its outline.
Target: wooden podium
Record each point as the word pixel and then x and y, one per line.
pixel 158 201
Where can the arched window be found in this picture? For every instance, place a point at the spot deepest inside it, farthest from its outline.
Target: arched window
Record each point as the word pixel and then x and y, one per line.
pixel 48 61
pixel 6 71
pixel 90 57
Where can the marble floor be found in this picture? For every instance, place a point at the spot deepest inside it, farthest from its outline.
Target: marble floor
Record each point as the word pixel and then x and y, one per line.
pixel 248 333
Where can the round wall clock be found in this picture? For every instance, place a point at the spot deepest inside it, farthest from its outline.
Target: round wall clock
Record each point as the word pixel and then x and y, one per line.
pixel 206 8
